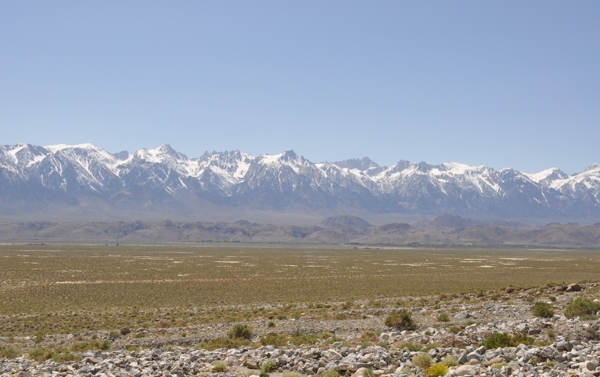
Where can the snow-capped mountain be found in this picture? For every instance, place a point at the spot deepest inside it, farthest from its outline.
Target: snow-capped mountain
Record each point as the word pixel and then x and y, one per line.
pixel 153 179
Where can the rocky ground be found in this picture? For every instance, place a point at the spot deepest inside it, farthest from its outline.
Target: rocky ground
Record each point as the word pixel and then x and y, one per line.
pixel 362 347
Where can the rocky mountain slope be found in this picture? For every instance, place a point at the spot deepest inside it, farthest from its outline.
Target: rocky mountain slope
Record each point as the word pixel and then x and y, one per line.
pixel 66 179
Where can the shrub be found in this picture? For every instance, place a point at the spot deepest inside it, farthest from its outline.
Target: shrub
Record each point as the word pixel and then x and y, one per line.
pixel 331 373
pixel 454 329
pixel 240 331
pixel 9 352
pixel 422 360
pixel 542 309
pixel 292 374
pixel 582 307
pixel 437 370
pixel 498 340
pixel 219 366
pixel 217 343
pixel 443 317
pixel 41 354
pixel 369 336
pixel 304 339
pixel 368 372
pixel 449 361
pixel 400 320
pixel 91 345
pixel 413 347
pixel 273 339
pixel 268 366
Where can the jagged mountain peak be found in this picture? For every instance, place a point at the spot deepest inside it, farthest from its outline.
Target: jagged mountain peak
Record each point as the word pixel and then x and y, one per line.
pixel 151 178
pixel 361 164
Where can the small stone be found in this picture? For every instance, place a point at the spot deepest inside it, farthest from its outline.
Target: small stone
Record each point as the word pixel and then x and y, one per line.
pixel 591 365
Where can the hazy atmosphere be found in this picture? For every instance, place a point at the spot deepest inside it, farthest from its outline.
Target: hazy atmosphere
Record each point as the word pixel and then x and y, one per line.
pixel 502 84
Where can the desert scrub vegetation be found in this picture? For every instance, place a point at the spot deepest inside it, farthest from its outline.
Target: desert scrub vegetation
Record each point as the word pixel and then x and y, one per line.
pixel 9 352
pixel 437 370
pixel 217 343
pixel 422 360
pixel 401 320
pixel 296 339
pixel 498 340
pixel 161 286
pixel 582 307
pixel 449 361
pixel 542 310
pixel 240 331
pixel 268 366
pixel 331 373
pixel 95 344
pixel 219 367
pixel 59 355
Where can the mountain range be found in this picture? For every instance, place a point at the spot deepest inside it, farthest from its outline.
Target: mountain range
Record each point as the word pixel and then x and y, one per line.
pixel 87 181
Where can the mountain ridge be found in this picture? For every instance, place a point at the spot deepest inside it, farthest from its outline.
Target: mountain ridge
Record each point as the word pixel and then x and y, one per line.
pixel 87 178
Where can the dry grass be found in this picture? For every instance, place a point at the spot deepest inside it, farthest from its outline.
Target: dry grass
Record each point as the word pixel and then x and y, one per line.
pixel 72 288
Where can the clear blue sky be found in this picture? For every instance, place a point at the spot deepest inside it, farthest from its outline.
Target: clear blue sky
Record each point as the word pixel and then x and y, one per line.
pixel 497 83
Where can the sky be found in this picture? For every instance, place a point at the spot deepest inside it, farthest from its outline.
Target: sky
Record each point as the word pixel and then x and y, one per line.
pixel 496 83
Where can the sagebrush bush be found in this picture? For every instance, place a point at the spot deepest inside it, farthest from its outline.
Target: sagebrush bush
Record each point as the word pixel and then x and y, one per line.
pixel 219 366
pixel 422 360
pixel 443 317
pixel 449 361
pixel 582 307
pixel 500 340
pixel 331 373
pixel 217 343
pixel 542 310
pixel 401 320
pixel 437 370
pixel 454 329
pixel 268 366
pixel 9 352
pixel 240 331
pixel 101 345
pixel 413 347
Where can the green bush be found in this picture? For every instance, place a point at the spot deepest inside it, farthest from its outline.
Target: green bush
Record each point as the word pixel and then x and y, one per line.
pixel 95 344
pixel 240 331
pixel 582 307
pixel 542 309
pixel 41 354
pixel 268 366
pixel 443 317
pixel 9 352
pixel 499 340
pixel 437 370
pixel 331 373
pixel 454 329
pixel 217 343
pixel 422 360
pixel 273 339
pixel 219 366
pixel 413 347
pixel 400 320
pixel 449 361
